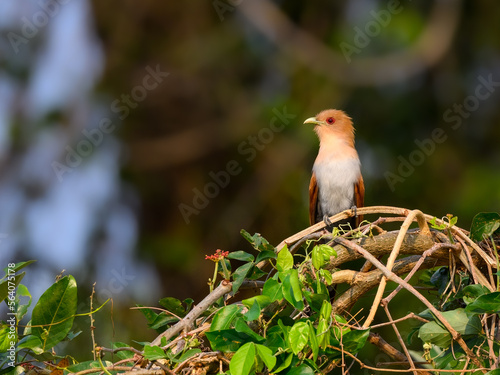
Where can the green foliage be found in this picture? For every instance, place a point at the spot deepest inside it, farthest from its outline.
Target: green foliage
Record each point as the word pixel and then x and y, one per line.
pixel 53 315
pixel 484 224
pixel 289 328
pixel 434 333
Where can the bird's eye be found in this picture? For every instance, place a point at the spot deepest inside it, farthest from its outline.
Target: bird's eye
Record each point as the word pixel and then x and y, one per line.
pixel 330 120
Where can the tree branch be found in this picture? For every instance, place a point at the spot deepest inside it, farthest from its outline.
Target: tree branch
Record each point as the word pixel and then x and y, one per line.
pixel 224 288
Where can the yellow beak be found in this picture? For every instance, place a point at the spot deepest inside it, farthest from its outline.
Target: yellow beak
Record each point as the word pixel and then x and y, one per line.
pixel 312 120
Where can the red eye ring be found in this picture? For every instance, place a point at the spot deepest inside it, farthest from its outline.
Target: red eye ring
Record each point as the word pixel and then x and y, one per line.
pixel 330 120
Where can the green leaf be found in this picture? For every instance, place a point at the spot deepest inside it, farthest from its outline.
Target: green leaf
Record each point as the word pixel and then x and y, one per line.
pixel 262 300
pixel 285 329
pixel 314 341
pixel 485 304
pixel 162 320
pixel 441 278
pixel 7 285
pixel 274 338
pixel 321 255
pixel 286 363
pixel 154 352
pixel 148 313
pixel 240 274
pixel 53 315
pixel 284 260
pixel 31 342
pixel 241 255
pixel 257 241
pixel 22 308
pixel 254 312
pixel 493 372
pixel 471 292
pixel 243 360
pixel 435 225
pixel 264 255
pixel 188 302
pixel 291 288
pixel 298 336
pixel 187 354
pixel 323 329
pixel 18 370
pixel 122 354
pixel 272 289
pixel 484 224
pixel 316 300
pixel 434 333
pixel 301 370
pixel 18 266
pixel 227 340
pixel 71 335
pixel 173 305
pixel 317 258
pixel 6 337
pixel 266 355
pixel 355 340
pixel 327 275
pixel 224 317
pixel 242 327
pixel 256 273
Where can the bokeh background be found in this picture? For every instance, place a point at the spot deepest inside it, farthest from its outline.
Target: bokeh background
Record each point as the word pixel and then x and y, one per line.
pixel 118 118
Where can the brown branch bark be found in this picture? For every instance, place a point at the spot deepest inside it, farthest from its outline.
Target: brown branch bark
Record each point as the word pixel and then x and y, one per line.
pixel 224 288
pixel 393 277
pixel 363 282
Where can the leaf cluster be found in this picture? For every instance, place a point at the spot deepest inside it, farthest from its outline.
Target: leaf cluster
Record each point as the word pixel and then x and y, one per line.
pixel 291 325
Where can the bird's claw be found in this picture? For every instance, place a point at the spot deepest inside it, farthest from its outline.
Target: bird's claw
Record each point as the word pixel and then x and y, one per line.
pixel 327 220
pixel 354 211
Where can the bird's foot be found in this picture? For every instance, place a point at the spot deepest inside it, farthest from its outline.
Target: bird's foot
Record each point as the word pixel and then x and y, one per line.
pixel 354 211
pixel 327 220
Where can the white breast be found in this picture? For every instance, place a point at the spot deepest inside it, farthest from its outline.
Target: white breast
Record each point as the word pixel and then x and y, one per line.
pixel 336 179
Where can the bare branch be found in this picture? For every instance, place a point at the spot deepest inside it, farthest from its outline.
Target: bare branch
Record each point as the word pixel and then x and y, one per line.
pixel 393 277
pixel 224 288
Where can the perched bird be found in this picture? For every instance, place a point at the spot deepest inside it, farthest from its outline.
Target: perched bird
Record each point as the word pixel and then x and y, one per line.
pixel 336 183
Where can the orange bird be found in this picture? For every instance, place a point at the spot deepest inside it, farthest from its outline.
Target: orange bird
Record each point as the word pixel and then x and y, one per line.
pixel 336 183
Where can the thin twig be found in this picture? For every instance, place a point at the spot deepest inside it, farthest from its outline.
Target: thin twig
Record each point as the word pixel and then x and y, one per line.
pixel 425 254
pixel 193 358
pixel 224 288
pixel 424 230
pixel 124 349
pixel 155 308
pixel 400 339
pixel 312 236
pixel 110 368
pixel 378 369
pixel 92 320
pixel 409 316
pixel 393 277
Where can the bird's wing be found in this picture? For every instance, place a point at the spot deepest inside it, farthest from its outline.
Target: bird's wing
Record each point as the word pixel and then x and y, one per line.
pixel 313 199
pixel 359 197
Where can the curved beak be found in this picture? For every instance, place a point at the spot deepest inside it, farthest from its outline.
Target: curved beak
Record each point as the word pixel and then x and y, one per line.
pixel 312 120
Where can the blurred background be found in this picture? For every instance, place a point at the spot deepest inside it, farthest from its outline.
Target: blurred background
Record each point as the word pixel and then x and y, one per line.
pixel 136 137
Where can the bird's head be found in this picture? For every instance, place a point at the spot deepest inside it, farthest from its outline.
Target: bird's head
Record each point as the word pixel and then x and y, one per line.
pixel 332 123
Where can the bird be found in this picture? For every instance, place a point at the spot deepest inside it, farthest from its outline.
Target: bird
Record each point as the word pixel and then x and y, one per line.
pixel 336 182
